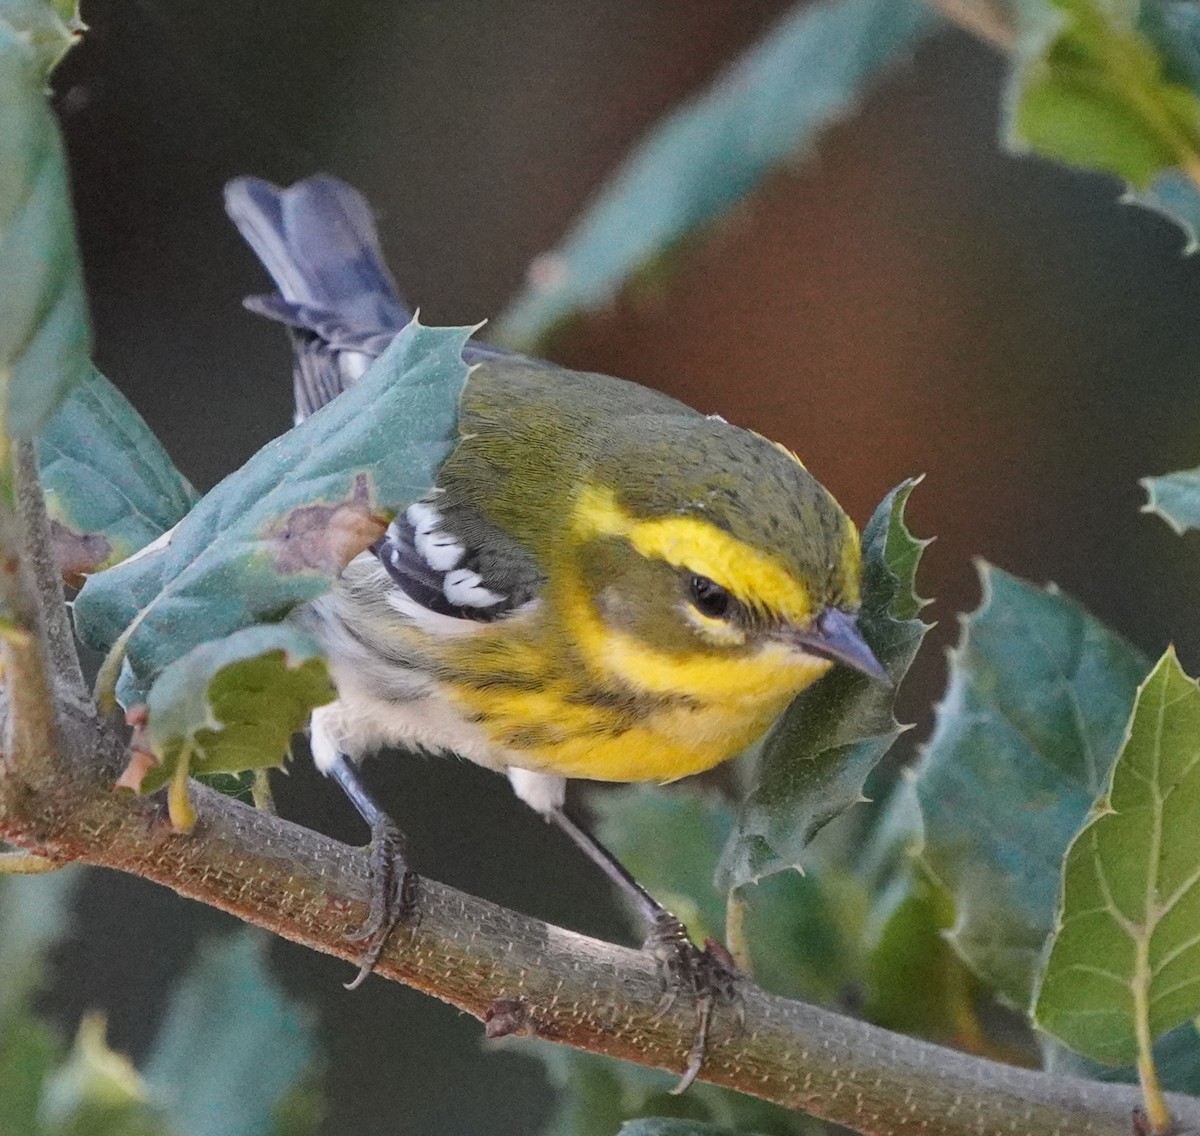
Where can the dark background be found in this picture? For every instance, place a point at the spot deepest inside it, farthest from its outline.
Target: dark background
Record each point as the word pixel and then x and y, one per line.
pixel 906 299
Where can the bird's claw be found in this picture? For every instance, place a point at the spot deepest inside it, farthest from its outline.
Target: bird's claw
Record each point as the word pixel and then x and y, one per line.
pixel 394 897
pixel 707 976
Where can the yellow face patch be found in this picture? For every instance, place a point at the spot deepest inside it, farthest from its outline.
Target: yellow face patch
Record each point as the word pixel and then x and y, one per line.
pixel 692 544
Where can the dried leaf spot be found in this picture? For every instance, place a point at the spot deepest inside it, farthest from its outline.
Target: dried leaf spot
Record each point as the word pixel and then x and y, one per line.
pixel 325 538
pixel 78 554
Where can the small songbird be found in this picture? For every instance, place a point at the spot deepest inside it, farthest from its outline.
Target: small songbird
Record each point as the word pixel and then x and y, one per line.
pixel 604 584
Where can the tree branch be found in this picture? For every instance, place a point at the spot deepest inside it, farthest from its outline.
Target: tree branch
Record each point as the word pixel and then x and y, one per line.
pixel 517 974
pixel 527 977
pixel 29 733
pixel 37 550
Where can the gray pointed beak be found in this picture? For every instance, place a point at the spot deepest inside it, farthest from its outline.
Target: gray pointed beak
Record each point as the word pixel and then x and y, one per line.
pixel 834 634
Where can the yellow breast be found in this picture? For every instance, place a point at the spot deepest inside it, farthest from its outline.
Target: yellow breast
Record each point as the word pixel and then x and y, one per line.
pixel 667 718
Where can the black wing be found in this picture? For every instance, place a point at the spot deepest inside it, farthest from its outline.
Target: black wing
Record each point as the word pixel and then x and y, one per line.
pixel 440 571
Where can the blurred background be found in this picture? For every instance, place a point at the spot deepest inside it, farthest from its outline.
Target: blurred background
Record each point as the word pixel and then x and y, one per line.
pixel 904 299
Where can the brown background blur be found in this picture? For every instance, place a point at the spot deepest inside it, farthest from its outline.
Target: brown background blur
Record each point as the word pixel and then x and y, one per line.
pixel 906 299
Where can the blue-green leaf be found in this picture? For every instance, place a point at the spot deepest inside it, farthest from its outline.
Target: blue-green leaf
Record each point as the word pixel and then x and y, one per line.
pixel 233 1045
pixel 1174 196
pixel 34 911
pixel 43 313
pixel 110 487
pixel 275 533
pixel 816 759
pixel 1176 498
pixel 1031 721
pixel 1176 1057
pixel 97 1092
pixel 50 29
pixel 696 165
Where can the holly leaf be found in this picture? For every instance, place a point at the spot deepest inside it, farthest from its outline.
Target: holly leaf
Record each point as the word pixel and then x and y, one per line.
pixel 911 980
pixel 815 760
pixel 1175 197
pixel 1089 88
pixel 110 487
pixel 1176 498
pixel 97 1092
pixel 1034 712
pixel 1124 961
pixel 769 106
pixel 43 313
pixel 231 705
pixel 275 533
pixel 915 983
pixel 234 1047
pixel 1112 87
pixel 50 29
pixel 801 933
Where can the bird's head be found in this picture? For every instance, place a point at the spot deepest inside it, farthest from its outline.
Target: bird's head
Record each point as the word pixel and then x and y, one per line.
pixel 709 562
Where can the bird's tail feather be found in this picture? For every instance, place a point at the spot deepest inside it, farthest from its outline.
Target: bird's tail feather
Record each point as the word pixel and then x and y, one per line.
pixel 318 241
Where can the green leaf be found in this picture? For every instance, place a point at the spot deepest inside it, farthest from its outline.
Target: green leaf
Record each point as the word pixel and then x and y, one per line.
pixel 1091 88
pixel 43 313
pixel 706 156
pixel 97 1092
pixel 50 29
pixel 29 1053
pixel 275 533
pixel 816 759
pixel 1173 27
pixel 802 931
pixel 912 980
pixel 915 983
pixel 234 704
pixel 1176 498
pixel 233 1045
pixel 1124 962
pixel 1033 715
pixel 110 487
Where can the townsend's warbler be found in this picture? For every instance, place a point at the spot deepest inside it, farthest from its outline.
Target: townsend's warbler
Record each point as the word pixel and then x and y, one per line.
pixel 605 583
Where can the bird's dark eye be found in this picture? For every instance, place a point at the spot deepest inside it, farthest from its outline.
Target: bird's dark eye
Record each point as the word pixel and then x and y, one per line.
pixel 710 599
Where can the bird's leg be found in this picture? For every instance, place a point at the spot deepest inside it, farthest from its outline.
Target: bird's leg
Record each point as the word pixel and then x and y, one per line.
pixel 707 975
pixel 393 884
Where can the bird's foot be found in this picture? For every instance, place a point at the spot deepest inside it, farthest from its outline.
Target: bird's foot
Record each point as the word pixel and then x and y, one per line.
pixel 394 896
pixel 707 976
